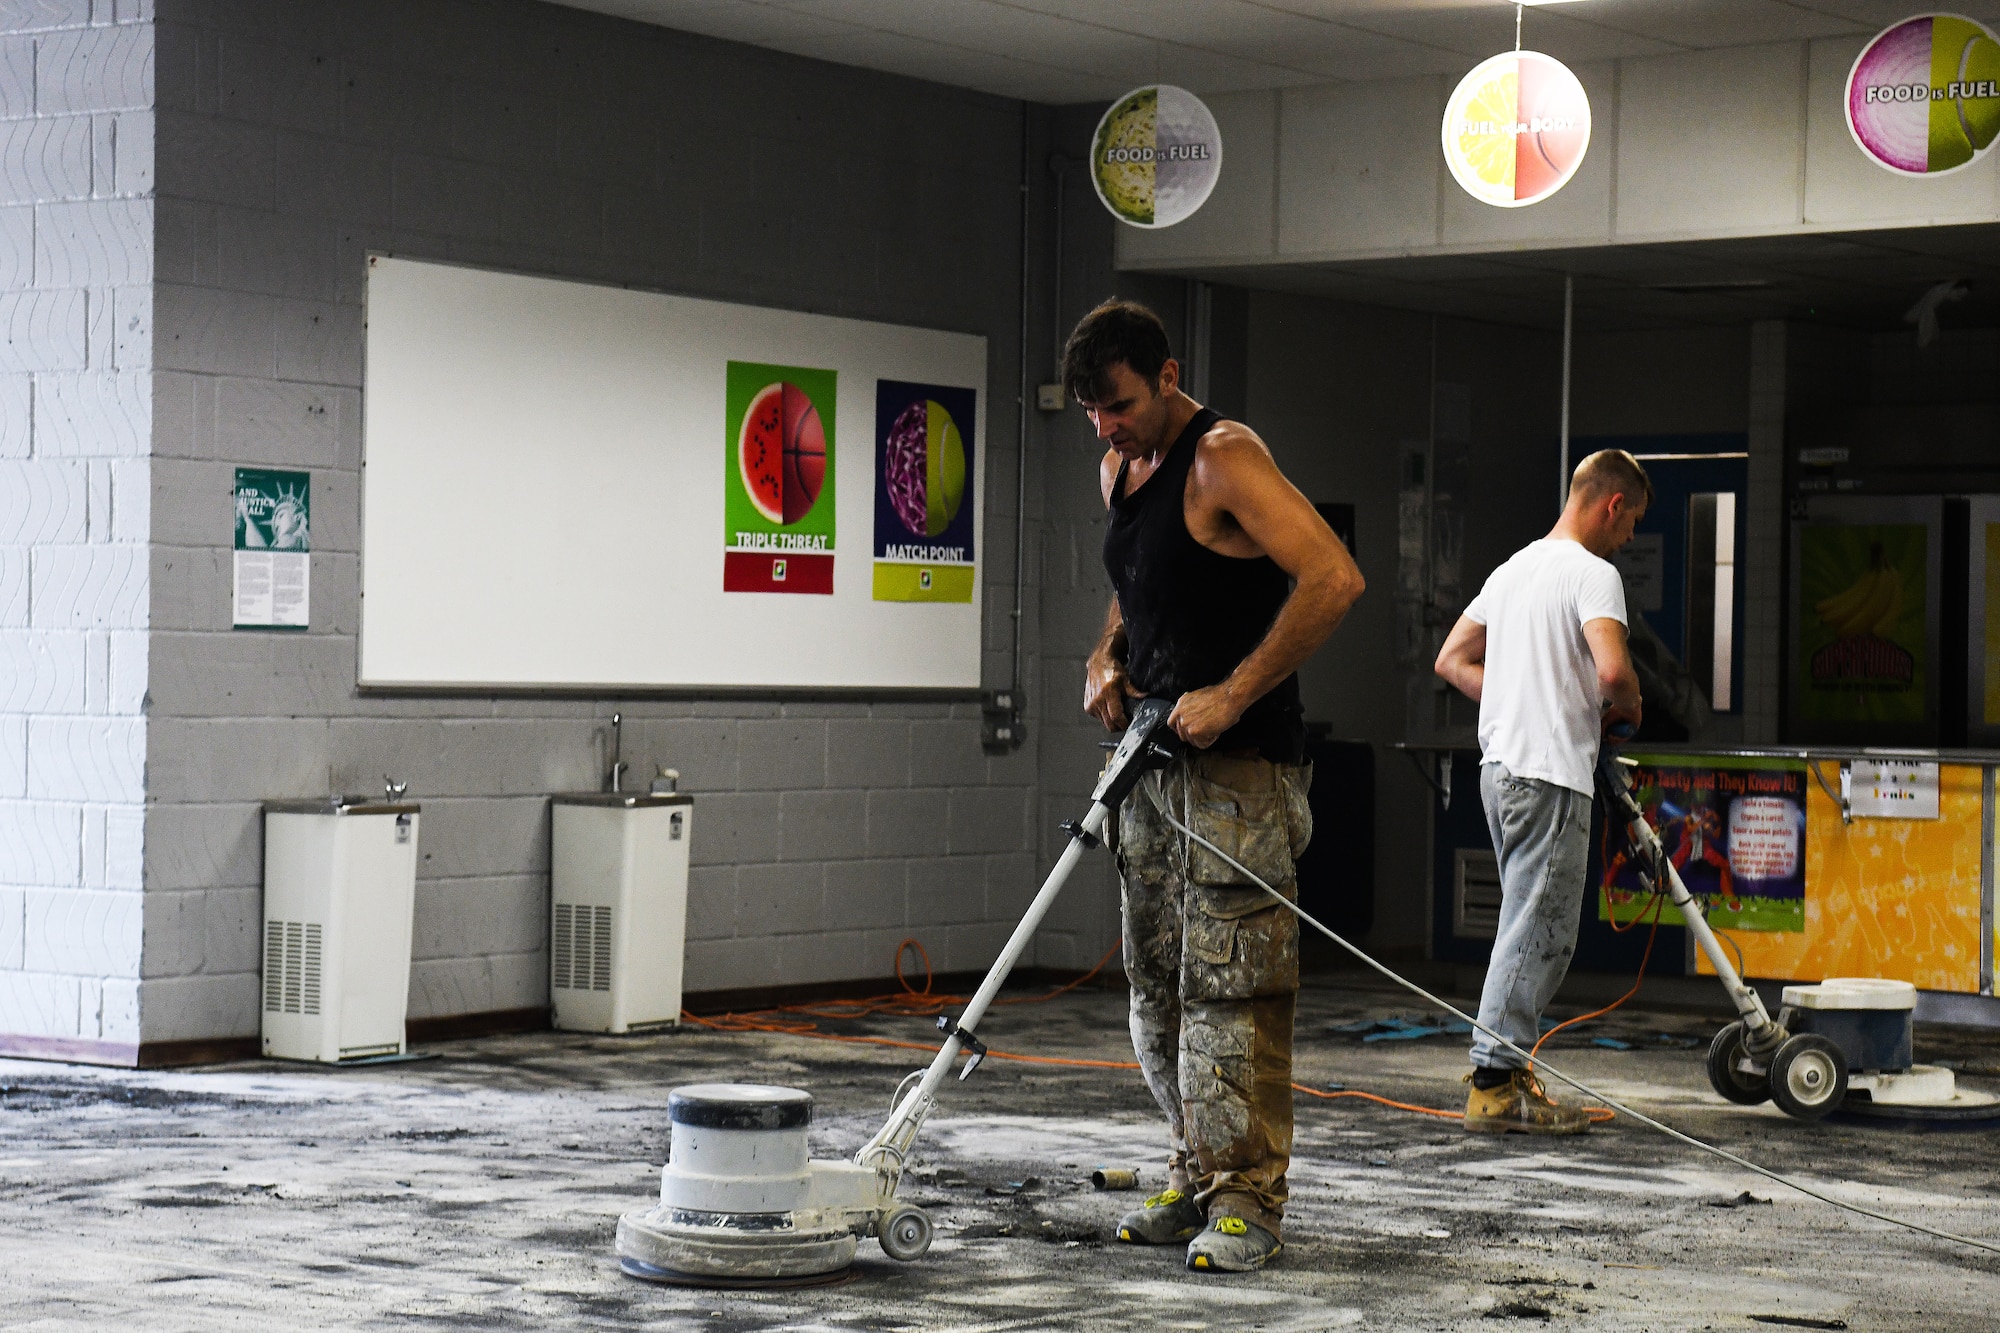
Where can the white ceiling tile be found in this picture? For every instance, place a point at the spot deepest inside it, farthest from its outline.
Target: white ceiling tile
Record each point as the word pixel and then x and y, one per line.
pixel 1712 23
pixel 1077 50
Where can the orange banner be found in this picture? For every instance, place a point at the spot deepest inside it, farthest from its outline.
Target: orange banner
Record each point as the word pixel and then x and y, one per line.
pixel 1893 898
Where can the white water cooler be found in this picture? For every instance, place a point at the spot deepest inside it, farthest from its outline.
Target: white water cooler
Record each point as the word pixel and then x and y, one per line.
pixel 618 875
pixel 339 891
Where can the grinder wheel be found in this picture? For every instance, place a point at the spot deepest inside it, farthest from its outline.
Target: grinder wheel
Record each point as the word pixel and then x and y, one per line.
pixel 906 1233
pixel 1725 1053
pixel 1808 1076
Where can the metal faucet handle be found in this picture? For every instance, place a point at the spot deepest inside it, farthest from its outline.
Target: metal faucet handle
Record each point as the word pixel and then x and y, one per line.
pixel 392 790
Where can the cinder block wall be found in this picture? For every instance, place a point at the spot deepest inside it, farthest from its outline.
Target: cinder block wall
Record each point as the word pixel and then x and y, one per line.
pixel 76 223
pixel 296 137
pixel 1067 568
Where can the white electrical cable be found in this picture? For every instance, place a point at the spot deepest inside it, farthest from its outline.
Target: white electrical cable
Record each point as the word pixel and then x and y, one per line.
pixel 1152 785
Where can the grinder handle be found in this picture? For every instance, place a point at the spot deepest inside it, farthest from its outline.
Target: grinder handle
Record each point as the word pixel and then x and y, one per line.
pixel 1148 743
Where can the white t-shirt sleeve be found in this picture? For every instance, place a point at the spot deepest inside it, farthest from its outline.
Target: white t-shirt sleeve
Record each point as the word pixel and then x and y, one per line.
pixel 1601 595
pixel 1475 610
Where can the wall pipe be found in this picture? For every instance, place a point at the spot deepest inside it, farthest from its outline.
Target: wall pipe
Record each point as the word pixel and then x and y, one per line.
pixel 1021 439
pixel 1569 319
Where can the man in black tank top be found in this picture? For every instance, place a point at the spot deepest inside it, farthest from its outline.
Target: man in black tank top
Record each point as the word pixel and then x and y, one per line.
pixel 1227 580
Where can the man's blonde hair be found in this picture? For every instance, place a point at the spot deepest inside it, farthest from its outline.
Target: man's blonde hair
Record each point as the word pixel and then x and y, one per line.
pixel 1612 472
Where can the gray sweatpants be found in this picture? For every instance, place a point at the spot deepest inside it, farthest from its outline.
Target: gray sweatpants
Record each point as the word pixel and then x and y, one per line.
pixel 1542 834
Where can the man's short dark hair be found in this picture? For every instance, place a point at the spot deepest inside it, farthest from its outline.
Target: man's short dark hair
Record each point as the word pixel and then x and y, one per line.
pixel 1117 331
pixel 1613 472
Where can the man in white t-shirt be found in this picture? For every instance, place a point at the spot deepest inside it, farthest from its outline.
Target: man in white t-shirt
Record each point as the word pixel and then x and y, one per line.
pixel 1542 651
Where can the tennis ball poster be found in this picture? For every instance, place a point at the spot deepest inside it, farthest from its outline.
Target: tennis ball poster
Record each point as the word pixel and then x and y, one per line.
pixel 778 479
pixel 1923 98
pixel 923 492
pixel 1156 156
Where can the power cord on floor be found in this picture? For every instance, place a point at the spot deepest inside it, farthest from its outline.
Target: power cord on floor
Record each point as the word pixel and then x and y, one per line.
pixel 799 1020
pixel 1582 1087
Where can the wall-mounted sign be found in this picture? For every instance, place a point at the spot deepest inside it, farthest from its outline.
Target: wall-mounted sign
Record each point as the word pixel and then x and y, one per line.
pixel 273 574
pixel 1890 789
pixel 778 479
pixel 924 477
pixel 1516 128
pixel 1156 156
pixel 1735 830
pixel 1923 98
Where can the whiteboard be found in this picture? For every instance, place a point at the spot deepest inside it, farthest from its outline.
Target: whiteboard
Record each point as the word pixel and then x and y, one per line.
pixel 543 490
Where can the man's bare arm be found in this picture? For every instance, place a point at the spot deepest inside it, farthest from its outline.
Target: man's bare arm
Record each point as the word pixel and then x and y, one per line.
pixel 1104 683
pixel 1617 680
pixel 1236 475
pixel 1462 661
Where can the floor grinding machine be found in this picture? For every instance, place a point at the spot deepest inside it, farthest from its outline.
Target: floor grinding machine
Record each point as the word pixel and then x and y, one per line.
pixel 742 1203
pixel 1841 1045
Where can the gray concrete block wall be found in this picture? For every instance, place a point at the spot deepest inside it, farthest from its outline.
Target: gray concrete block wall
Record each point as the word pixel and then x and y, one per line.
pixel 76 170
pixel 1069 587
pixel 295 138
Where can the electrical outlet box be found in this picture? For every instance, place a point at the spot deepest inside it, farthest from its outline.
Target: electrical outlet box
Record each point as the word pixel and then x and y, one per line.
pixel 1003 727
pixel 1049 397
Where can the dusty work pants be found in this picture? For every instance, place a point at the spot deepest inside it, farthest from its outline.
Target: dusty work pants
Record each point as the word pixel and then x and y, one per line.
pixel 1214 968
pixel 1542 833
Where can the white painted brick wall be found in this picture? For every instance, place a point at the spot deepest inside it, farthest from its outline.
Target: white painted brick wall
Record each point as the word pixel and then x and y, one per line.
pixel 76 266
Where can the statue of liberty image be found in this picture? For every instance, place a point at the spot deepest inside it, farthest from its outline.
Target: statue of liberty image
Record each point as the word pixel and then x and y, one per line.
pixel 288 522
pixel 279 522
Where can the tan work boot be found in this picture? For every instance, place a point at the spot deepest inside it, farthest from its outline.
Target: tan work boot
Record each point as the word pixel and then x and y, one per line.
pixel 1520 1106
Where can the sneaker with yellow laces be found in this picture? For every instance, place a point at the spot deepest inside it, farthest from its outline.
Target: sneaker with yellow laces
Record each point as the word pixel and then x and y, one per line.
pixel 1166 1218
pixel 1520 1106
pixel 1232 1245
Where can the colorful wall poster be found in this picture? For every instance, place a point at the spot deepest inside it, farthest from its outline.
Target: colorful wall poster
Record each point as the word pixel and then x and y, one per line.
pixel 1735 831
pixel 1895 898
pixel 1923 98
pixel 1516 129
pixel 1863 622
pixel 924 509
pixel 1156 156
pixel 778 480
pixel 273 564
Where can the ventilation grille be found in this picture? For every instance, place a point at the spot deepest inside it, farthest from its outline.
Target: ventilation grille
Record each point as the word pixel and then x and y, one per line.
pixel 291 967
pixel 581 950
pixel 1475 895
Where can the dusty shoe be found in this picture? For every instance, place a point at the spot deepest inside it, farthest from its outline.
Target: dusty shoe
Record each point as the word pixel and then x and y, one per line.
pixel 1520 1106
pixel 1167 1217
pixel 1231 1245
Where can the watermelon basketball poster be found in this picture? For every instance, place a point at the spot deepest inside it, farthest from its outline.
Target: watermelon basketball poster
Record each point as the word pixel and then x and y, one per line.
pixel 778 479
pixel 923 492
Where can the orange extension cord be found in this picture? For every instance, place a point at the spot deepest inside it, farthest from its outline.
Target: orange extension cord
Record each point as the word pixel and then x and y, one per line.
pixel 802 1020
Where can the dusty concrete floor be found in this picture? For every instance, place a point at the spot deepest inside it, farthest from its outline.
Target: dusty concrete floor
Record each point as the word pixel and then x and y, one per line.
pixel 480 1189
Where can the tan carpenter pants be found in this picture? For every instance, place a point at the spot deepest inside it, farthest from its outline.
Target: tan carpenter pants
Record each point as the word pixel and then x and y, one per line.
pixel 1214 967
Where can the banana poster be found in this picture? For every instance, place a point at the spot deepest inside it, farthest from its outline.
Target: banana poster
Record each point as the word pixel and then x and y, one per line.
pixel 1863 635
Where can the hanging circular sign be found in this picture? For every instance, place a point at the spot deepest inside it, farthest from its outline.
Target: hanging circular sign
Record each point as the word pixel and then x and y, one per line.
pixel 1156 156
pixel 1516 128
pixel 1923 98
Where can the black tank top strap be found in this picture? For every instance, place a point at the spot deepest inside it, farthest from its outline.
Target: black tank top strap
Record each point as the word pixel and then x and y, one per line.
pixel 1191 614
